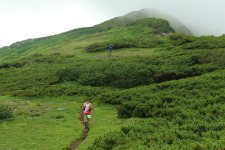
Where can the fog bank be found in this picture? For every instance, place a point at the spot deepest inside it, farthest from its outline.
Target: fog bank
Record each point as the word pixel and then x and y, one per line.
pixel 25 19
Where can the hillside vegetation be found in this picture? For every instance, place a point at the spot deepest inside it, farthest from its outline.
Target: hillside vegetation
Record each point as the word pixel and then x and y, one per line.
pixel 168 88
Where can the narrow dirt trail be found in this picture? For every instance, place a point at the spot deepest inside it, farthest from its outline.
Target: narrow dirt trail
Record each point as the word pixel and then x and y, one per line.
pixel 84 135
pixel 77 143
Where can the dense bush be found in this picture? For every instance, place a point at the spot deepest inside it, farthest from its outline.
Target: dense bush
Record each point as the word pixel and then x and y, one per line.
pixel 69 74
pixel 42 73
pixel 189 111
pixel 116 74
pixel 168 99
pixel 206 42
pixel 143 70
pixel 124 43
pixel 162 134
pixel 5 111
pixel 202 42
pixel 96 47
pixel 181 39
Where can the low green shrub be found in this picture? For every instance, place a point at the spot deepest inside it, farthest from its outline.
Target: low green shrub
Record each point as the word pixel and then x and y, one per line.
pixel 181 39
pixel 159 134
pixel 117 74
pixel 125 43
pixel 169 99
pixel 206 42
pixel 5 111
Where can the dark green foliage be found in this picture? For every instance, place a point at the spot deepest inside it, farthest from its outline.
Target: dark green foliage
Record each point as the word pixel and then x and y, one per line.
pixel 96 47
pixel 116 74
pixel 143 70
pixel 206 42
pixel 40 74
pixel 122 43
pixel 59 116
pixel 169 99
pixel 125 43
pixel 68 74
pixel 189 111
pixel 181 39
pixel 17 65
pixel 161 134
pixel 202 42
pixel 5 111
pixel 38 78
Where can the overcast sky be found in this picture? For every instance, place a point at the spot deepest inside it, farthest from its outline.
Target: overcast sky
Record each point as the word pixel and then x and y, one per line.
pixel 23 19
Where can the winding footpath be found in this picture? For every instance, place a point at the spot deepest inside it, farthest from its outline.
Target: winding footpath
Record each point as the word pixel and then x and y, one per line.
pixel 84 135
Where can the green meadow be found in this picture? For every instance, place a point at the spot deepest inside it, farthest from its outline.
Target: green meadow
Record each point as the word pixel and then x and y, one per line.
pixel 160 90
pixel 41 123
pixel 53 123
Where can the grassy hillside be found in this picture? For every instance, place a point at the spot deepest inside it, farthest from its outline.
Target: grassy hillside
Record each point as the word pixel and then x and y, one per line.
pixel 160 90
pixel 73 42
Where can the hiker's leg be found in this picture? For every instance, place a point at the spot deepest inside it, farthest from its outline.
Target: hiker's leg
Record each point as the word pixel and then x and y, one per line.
pixel 88 117
pixel 81 117
pixel 85 118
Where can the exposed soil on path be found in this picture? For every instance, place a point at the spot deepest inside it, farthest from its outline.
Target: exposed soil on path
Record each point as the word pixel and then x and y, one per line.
pixel 77 143
pixel 84 135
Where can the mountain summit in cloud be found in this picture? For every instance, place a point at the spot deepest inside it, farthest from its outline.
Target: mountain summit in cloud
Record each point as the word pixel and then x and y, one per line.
pixel 149 13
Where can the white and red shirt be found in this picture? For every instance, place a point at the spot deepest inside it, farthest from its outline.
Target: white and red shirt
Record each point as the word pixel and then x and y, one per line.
pixel 87 109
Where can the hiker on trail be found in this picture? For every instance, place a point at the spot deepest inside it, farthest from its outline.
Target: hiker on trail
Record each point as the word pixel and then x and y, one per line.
pixel 110 50
pixel 87 108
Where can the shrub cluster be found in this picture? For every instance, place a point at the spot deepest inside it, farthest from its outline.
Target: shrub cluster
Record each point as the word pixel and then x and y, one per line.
pixel 189 111
pixel 125 43
pixel 117 74
pixel 162 134
pixel 192 42
pixel 181 38
pixel 169 99
pixel 42 73
pixel 5 111
pixel 142 70
pixel 206 42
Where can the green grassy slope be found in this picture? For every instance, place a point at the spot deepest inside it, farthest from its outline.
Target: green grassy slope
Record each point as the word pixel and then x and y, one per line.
pixel 53 44
pixel 74 41
pixel 41 123
pixel 169 90
pixel 53 123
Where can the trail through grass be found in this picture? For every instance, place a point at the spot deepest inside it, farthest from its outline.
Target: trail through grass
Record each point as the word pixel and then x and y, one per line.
pixel 41 123
pixel 104 120
pixel 53 123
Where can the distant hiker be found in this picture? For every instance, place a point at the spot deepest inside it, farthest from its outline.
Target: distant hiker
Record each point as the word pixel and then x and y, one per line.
pixel 110 50
pixel 87 108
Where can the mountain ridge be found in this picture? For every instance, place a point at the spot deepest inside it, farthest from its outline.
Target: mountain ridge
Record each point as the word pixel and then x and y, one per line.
pixel 131 16
pixel 149 13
